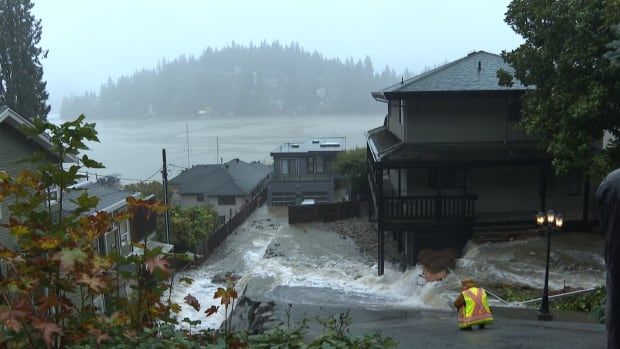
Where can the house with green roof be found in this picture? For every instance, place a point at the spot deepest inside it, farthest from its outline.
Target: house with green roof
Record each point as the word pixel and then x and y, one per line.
pixel 449 159
pixel 226 187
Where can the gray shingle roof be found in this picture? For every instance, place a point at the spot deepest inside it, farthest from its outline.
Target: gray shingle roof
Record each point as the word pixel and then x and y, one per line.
pixel 235 177
pixel 108 196
pixel 474 72
pixel 388 149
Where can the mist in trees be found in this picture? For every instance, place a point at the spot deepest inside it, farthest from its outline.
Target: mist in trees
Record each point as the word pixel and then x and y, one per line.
pixel 21 74
pixel 267 79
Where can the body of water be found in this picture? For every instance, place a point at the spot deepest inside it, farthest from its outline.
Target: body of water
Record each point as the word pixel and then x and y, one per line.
pixel 133 147
pixel 305 263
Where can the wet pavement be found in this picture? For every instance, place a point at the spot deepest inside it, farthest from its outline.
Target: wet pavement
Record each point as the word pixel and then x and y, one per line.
pixel 513 328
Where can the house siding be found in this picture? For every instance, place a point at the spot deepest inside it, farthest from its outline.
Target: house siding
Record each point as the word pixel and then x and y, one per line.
pixel 300 181
pixel 13 147
pixel 212 202
pixel 454 119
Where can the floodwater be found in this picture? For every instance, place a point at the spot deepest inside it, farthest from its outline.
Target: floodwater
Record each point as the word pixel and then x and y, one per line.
pixel 306 264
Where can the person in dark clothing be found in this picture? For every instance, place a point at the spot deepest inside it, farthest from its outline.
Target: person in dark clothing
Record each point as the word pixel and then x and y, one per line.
pixel 608 196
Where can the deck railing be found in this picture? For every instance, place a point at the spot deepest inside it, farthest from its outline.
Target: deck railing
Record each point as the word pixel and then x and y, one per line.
pixel 430 208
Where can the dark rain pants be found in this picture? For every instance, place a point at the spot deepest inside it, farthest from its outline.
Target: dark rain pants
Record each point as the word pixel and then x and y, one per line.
pixel 608 195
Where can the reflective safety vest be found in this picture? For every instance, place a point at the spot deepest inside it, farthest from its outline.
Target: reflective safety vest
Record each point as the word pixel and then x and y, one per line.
pixel 476 310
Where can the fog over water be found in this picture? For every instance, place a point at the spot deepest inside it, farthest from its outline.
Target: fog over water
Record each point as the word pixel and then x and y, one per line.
pixel 133 148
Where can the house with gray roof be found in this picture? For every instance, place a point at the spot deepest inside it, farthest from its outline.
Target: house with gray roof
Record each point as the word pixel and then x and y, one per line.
pixel 226 187
pixel 112 200
pixel 17 145
pixel 449 159
pixel 303 171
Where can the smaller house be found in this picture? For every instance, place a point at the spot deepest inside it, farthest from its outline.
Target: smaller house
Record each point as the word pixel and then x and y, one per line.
pixel 303 171
pixel 226 187
pixel 112 200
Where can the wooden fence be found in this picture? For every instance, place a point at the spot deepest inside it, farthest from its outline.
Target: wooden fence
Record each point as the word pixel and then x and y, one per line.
pixel 233 223
pixel 324 212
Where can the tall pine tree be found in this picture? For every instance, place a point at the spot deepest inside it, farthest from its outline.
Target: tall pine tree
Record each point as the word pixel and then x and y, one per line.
pixel 21 74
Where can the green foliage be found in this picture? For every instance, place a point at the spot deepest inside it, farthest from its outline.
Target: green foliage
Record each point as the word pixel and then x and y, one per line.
pixel 55 277
pixel 574 87
pixel 21 73
pixel 191 226
pixel 352 166
pixel 591 302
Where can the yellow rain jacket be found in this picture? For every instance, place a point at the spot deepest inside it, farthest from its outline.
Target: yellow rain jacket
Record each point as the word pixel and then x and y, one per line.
pixel 476 310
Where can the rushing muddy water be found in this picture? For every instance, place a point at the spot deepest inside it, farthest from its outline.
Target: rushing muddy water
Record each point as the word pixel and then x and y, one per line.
pixel 304 264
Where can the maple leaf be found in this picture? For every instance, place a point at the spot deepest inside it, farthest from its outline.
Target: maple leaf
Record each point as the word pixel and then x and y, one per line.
pixel 100 336
pixel 191 300
pixel 48 243
pixel 100 262
pixel 19 230
pixel 48 329
pixel 175 308
pixel 13 315
pixel 95 283
pixel 68 257
pixel 212 310
pixel 225 294
pixel 157 263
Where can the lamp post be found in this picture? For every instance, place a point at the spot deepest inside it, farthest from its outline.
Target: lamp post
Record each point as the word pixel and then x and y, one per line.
pixel 552 221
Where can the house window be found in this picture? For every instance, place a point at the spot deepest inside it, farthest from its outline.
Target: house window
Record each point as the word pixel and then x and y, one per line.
pixel 200 197
pixel 288 166
pixel 401 112
pixel 320 164
pixel 222 219
pixel 226 200
pixel 310 162
pixel 284 164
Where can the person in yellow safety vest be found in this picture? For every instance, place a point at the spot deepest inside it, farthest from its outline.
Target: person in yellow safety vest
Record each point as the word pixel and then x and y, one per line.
pixel 472 305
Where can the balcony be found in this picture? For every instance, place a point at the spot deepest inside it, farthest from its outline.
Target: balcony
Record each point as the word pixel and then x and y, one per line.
pixel 302 177
pixel 430 209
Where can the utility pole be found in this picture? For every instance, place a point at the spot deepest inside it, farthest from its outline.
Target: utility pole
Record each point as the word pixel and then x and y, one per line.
pixel 164 174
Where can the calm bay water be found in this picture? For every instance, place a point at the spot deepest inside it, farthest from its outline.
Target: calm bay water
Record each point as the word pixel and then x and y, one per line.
pixel 133 148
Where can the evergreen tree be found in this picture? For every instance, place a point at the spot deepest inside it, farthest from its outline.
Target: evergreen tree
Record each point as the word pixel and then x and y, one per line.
pixel 21 74
pixel 575 90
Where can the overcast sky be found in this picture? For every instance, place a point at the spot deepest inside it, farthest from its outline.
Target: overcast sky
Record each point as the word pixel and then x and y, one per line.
pixel 91 41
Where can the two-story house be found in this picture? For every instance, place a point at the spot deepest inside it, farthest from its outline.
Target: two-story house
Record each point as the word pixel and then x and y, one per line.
pixel 449 158
pixel 226 187
pixel 303 171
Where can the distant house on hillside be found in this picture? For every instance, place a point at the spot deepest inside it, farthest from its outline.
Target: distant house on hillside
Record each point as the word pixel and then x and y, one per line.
pixel 449 159
pixel 303 171
pixel 226 187
pixel 16 145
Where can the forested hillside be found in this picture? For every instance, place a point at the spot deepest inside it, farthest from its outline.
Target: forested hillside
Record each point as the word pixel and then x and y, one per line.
pixel 256 80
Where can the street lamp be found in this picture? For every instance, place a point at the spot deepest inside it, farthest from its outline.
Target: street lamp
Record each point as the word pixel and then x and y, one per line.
pixel 553 221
